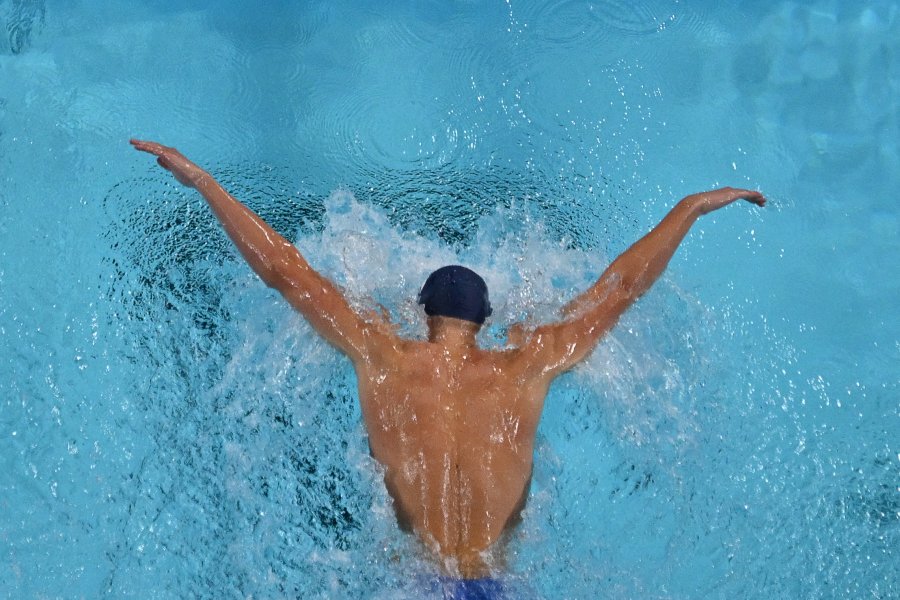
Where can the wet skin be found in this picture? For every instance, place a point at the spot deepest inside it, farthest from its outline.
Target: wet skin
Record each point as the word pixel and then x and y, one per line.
pixel 453 425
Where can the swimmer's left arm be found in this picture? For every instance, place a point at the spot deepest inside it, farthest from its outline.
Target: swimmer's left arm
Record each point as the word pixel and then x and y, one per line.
pixel 278 262
pixel 559 346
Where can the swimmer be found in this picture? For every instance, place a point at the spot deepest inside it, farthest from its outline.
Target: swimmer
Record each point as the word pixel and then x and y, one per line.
pixel 452 424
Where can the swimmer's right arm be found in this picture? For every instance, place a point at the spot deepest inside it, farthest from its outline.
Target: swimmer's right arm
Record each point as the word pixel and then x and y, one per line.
pixel 588 317
pixel 278 262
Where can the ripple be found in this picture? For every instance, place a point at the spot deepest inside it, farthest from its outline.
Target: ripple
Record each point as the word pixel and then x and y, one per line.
pixel 244 82
pixel 270 27
pixel 697 22
pixel 635 18
pixel 479 59
pixel 565 22
pixel 384 123
pixel 25 19
pixel 393 33
pixel 568 22
pixel 450 202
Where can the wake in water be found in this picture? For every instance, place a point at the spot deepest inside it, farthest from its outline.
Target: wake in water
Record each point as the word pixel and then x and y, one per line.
pixel 629 389
pixel 256 464
pixel 282 453
pixel 530 276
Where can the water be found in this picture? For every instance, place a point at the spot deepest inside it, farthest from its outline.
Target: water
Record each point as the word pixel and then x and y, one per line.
pixel 168 428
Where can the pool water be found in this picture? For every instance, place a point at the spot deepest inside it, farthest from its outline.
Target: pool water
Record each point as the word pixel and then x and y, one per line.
pixel 169 428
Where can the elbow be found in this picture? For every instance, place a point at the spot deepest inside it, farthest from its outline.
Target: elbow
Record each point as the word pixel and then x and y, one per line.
pixel 628 285
pixel 276 264
pixel 636 289
pixel 272 279
pixel 628 275
pixel 274 273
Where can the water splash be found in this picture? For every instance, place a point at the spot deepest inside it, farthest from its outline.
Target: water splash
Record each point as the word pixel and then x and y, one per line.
pixel 248 405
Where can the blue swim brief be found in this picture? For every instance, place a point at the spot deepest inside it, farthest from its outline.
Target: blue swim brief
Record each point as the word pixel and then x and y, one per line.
pixel 486 588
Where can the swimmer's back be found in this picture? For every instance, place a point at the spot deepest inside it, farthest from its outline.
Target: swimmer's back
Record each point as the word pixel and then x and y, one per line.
pixel 455 432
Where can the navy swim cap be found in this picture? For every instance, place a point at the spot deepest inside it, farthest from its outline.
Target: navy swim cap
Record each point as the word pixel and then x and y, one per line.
pixel 457 292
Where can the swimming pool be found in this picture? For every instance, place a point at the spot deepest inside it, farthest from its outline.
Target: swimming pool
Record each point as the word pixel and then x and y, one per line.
pixel 169 429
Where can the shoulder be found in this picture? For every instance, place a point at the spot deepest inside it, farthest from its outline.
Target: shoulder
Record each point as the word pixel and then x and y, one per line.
pixel 511 362
pixel 549 349
pixel 384 346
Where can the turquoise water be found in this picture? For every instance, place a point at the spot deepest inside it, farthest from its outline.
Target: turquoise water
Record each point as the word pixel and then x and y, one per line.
pixel 168 428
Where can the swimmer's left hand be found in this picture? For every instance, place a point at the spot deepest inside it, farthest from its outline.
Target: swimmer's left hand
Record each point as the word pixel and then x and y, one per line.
pixel 184 170
pixel 706 202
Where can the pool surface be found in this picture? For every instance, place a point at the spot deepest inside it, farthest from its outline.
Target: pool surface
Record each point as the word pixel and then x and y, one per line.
pixel 170 429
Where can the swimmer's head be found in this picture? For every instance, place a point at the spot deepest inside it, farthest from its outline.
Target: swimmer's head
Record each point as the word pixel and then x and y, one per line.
pixel 456 292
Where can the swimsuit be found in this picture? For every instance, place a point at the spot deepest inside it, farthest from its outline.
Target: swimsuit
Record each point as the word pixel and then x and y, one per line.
pixel 486 588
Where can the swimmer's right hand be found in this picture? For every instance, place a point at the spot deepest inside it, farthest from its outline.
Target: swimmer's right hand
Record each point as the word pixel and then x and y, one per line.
pixel 172 160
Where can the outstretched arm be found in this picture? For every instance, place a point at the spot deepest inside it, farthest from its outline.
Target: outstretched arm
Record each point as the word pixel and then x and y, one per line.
pixel 558 346
pixel 275 260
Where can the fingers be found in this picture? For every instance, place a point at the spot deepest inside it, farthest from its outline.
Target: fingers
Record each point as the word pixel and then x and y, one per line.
pixel 749 195
pixel 151 147
pixel 753 196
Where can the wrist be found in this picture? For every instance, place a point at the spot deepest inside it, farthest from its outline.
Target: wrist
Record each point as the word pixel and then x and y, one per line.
pixel 201 180
pixel 696 204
